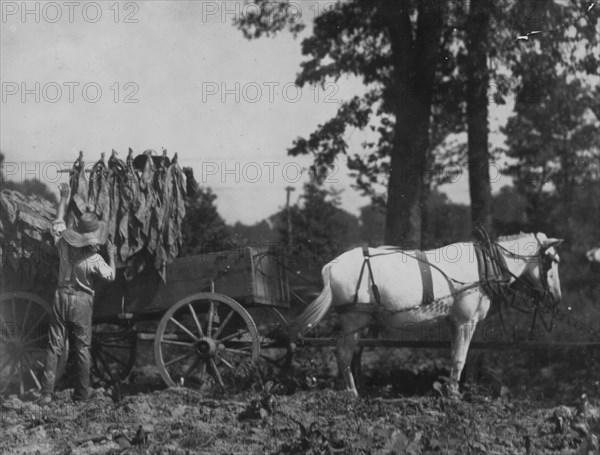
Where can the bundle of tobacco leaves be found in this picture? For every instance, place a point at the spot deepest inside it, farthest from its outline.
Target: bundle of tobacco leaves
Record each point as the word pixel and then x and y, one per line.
pixel 29 258
pixel 141 199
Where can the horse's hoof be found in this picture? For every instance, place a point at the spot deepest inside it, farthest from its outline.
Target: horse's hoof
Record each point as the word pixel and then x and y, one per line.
pixel 453 393
pixel 456 397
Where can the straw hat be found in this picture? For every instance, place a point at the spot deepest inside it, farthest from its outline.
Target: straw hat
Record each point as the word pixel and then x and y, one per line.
pixel 90 230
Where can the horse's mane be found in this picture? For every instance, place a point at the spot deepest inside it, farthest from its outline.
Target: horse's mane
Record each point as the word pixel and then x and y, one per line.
pixel 519 236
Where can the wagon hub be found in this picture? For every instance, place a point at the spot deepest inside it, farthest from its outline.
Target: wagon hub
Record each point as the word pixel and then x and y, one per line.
pixel 206 347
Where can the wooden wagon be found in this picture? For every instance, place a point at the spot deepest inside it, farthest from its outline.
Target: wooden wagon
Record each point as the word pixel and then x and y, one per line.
pixel 213 319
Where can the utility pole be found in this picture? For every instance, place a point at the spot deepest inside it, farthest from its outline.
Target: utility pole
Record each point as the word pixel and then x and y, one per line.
pixel 288 190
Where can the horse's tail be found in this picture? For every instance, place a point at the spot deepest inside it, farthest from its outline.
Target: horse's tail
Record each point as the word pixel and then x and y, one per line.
pixel 314 312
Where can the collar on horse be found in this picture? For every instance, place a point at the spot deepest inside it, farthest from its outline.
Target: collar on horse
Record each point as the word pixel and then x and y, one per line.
pixel 494 275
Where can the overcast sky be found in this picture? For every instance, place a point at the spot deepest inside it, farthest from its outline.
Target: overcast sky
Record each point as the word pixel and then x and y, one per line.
pixel 94 76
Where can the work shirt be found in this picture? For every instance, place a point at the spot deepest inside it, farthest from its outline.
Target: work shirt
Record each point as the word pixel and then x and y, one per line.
pixel 78 268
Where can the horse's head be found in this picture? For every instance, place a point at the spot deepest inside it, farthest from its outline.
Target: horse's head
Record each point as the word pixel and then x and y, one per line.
pixel 535 262
pixel 544 270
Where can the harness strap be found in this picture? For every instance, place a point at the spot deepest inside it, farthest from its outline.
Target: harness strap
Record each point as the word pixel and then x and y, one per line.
pixel 374 288
pixel 426 277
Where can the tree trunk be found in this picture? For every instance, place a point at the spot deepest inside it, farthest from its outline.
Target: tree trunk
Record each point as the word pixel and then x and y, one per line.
pixel 415 61
pixel 477 115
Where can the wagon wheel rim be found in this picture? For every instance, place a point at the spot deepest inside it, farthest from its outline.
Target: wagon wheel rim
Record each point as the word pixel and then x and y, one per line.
pixel 114 351
pixel 24 320
pixel 207 340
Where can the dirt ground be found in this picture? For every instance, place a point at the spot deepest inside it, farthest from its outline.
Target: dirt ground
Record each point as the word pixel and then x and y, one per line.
pixel 519 405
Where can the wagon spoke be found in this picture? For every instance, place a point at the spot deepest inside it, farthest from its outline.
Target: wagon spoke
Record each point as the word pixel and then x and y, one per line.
pixel 224 324
pixel 180 358
pixel 195 317
pixel 239 352
pixel 202 371
pixel 227 363
pixel 217 374
pixel 26 316
pixel 22 383
pixel 33 376
pixel 184 328
pixel 211 314
pixel 178 343
pixel 37 382
pixel 233 335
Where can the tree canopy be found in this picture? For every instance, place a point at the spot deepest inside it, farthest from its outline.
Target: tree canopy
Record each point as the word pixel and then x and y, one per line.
pixel 413 58
pixel 204 230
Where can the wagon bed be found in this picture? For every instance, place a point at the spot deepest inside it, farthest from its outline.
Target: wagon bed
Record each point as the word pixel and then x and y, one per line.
pixel 251 276
pixel 210 318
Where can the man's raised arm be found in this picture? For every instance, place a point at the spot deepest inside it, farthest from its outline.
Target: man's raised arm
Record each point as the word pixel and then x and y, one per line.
pixel 65 192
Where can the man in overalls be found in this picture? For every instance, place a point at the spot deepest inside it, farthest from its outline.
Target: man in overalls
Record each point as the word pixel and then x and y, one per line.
pixel 80 266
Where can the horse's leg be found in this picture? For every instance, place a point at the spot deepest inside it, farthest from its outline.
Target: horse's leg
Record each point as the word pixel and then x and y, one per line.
pixel 352 325
pixel 460 346
pixel 356 365
pixel 466 313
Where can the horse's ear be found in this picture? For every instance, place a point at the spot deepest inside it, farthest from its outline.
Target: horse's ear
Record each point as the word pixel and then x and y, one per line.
pixel 547 243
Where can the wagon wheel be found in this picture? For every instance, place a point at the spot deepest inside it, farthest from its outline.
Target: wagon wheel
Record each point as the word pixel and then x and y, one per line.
pixel 24 320
pixel 275 348
pixel 207 341
pixel 114 349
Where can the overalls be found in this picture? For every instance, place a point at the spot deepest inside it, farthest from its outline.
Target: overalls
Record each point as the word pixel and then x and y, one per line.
pixel 72 313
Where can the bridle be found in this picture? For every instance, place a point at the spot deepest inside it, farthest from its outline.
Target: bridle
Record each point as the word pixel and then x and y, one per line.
pixel 542 299
pixel 522 285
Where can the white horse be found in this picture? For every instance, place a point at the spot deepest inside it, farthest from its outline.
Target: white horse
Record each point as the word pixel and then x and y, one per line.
pixel 397 297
